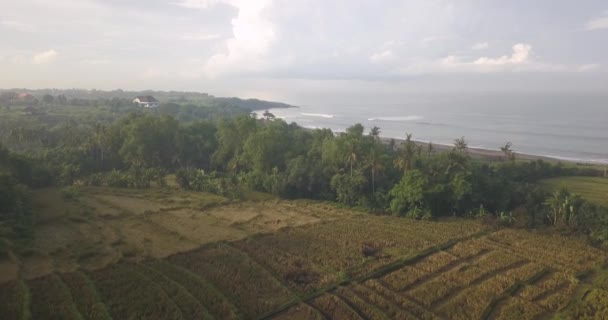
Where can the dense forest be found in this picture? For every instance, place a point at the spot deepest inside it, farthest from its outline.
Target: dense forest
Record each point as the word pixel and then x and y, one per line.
pixel 225 150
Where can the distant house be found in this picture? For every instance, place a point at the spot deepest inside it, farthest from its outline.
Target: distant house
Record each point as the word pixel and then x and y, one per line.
pixel 146 101
pixel 24 96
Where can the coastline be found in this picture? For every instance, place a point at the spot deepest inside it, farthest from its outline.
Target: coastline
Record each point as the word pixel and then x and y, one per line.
pixel 487 154
pixel 497 155
pixel 561 138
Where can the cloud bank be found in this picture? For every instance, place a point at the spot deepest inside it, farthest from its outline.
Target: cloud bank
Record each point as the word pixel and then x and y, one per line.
pixel 213 43
pixel 45 57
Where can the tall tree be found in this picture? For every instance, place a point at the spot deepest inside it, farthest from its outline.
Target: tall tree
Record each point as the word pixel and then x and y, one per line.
pixel 375 132
pixel 461 145
pixel 508 152
pixel 406 154
pixel 375 159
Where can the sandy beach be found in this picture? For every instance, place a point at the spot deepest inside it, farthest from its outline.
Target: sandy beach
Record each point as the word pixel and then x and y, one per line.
pixel 494 155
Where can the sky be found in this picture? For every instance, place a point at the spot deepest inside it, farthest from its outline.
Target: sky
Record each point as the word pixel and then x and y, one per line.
pixel 291 50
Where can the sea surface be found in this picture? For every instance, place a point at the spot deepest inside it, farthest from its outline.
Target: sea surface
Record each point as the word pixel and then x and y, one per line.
pixel 568 126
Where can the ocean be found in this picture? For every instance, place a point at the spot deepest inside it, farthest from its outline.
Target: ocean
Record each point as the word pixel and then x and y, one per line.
pixel 568 126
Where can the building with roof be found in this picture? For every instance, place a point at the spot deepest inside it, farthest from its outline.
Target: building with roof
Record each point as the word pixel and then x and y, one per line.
pixel 146 101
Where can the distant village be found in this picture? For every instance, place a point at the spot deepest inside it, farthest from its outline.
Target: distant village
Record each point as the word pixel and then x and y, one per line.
pixel 34 105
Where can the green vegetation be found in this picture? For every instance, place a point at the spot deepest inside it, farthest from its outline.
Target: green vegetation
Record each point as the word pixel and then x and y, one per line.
pixel 52 299
pixel 15 300
pixel 357 266
pixel 593 189
pixel 85 296
pixel 190 211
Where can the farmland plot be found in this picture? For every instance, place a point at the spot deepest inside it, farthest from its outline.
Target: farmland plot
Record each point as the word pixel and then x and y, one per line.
pixel 334 266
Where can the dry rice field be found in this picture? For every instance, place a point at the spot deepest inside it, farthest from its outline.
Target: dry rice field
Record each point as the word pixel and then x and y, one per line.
pixel 205 258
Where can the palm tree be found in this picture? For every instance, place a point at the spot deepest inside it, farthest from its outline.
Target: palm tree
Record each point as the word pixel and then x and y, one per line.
pixel 461 145
pixel 375 163
pixel 391 145
pixel 509 153
pixel 375 132
pixel 99 137
pixel 406 154
pixel 430 149
pixel 456 161
pixel 351 156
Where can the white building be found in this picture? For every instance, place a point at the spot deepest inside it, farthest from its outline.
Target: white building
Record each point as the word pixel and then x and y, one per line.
pixel 146 101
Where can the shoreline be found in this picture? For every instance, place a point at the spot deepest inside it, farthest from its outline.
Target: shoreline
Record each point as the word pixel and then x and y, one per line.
pixel 497 155
pixel 488 154
pixel 478 152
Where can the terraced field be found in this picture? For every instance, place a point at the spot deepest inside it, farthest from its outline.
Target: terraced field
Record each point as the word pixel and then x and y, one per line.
pixel 340 266
pixel 103 226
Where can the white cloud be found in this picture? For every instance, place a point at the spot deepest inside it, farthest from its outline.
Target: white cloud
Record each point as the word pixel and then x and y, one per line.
pixel 519 60
pixel 96 62
pixel 253 35
pixel 152 72
pixel 200 36
pixel 197 4
pixel 480 46
pixel 520 55
pixel 383 56
pixel 17 25
pixel 588 67
pixel 45 57
pixel 598 23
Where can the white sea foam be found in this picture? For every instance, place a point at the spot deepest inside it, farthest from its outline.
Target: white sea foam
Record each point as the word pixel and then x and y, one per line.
pixel 317 115
pixel 397 119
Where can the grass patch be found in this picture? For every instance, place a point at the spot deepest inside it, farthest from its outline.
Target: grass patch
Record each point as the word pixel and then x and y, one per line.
pixel 593 189
pixel 87 253
pixel 251 288
pixel 85 296
pixel 14 301
pixel 130 295
pixel 214 301
pixel 51 299
pixel 190 307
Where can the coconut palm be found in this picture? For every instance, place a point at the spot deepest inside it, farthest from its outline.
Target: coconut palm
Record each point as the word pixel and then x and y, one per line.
pixel 430 149
pixel 351 155
pixel 375 163
pixel 406 154
pixel 509 153
pixel 375 132
pixel 461 145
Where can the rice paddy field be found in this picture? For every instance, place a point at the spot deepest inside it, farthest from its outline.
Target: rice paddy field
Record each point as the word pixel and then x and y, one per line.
pixel 593 189
pixel 167 254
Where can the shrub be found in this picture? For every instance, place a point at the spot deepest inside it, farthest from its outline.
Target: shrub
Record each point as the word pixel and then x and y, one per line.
pixel 198 180
pixel 70 193
pixel 506 219
pixel 135 177
pixel 96 179
pixel 116 179
pixel 349 188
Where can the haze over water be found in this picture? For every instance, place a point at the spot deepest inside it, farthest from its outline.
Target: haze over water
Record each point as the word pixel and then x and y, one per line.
pixel 570 126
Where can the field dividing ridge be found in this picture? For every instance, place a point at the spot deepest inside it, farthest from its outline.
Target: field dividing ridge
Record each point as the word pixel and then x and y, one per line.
pixel 209 296
pixel 377 273
pixel 511 292
pixel 355 266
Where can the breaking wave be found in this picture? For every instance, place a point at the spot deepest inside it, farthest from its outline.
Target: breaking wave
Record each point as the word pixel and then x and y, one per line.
pixel 397 119
pixel 317 115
